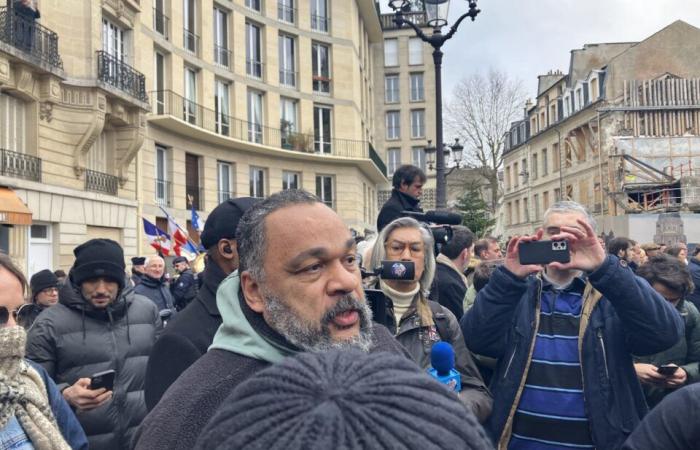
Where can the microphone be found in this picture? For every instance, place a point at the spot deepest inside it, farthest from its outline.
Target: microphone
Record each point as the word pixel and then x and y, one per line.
pixel 442 361
pixel 439 217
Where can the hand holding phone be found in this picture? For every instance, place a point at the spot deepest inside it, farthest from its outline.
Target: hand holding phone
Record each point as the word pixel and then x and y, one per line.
pixel 543 252
pixel 103 380
pixel 667 370
pixel 81 397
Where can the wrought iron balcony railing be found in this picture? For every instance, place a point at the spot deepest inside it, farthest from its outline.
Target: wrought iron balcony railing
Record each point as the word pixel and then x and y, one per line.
pixel 101 182
pixel 254 68
pixel 288 78
pixel 190 41
pixel 320 23
pixel 19 165
pixel 286 13
pixel 161 23
pixel 163 190
pixel 222 196
pixel 122 76
pixel 30 37
pixel 222 56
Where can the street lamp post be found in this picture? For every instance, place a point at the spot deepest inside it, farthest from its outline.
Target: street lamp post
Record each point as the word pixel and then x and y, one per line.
pixel 436 13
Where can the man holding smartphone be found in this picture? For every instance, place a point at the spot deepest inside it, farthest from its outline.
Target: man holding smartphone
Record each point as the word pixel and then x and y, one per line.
pixel 565 338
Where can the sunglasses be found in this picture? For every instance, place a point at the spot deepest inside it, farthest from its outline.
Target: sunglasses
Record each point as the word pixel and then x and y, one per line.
pixel 19 315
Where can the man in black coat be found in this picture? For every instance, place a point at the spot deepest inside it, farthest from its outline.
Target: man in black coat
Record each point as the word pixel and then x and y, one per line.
pixel 190 334
pixel 299 290
pixel 184 288
pixel 407 184
pixel 452 261
pixel 137 269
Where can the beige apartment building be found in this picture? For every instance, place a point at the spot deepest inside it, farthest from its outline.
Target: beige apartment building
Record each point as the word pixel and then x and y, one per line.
pixel 618 133
pixel 405 100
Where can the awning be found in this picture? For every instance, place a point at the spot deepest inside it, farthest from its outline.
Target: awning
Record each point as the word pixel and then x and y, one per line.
pixel 12 210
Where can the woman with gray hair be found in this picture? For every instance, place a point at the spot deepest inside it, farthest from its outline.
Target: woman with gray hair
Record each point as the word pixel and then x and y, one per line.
pixel 416 322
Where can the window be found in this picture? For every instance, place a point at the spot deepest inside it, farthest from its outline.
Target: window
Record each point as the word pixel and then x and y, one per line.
pixel 255 116
pixel 288 121
pixel 290 180
pixel 319 15
pixel 286 11
pixel 97 155
pixel 517 211
pixel 391 52
pixel 222 55
pixel 534 167
pixel 161 175
pixel 224 181
pixel 221 108
pixel 509 213
pixel 160 20
pixel 190 95
pixel 193 187
pixel 556 157
pixel 189 25
pixel 526 211
pixel 320 55
pixel 557 195
pixel 417 123
pixel 324 189
pixel 257 182
pixel 569 192
pixel 417 91
pixel 322 129
pixel 419 157
pixel 287 60
pixel 545 163
pixel 393 125
pixel 553 113
pixel 113 40
pixel 507 178
pixel 253 50
pixel 254 4
pixel 536 201
pixel 516 175
pixel 545 200
pixel 415 51
pixel 391 89
pixel 594 89
pixel 579 99
pixel 393 159
pixel 159 82
pixel 13 117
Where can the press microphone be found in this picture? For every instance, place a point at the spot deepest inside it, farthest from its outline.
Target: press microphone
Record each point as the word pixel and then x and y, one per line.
pixel 439 217
pixel 442 361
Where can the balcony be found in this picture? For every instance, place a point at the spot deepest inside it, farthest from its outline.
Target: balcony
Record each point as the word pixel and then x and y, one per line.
pixel 222 196
pixel 254 68
pixel 37 41
pixel 117 73
pixel 288 78
pixel 161 23
pixel 101 182
pixel 194 197
pixel 286 13
pixel 19 165
pixel 222 56
pixel 321 84
pixel 320 23
pixel 418 18
pixel 163 190
pixel 190 41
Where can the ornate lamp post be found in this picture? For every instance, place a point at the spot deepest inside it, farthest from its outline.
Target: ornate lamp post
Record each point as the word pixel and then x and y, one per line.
pixel 436 14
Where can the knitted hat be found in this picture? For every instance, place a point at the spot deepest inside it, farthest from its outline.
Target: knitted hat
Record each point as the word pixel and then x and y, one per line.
pixel 42 280
pixel 223 220
pixel 98 258
pixel 345 400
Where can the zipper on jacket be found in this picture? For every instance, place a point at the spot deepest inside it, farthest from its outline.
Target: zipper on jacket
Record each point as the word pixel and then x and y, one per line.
pixel 602 346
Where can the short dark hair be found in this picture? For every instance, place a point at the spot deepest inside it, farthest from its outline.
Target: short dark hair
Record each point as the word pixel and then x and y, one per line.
pixel 462 237
pixel 59 273
pixel 482 245
pixel 619 244
pixel 669 271
pixel 7 264
pixel 674 250
pixel 482 274
pixel 406 174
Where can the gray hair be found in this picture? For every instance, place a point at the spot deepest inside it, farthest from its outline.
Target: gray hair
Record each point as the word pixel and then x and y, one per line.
pixel 379 252
pixel 251 239
pixel 151 258
pixel 568 207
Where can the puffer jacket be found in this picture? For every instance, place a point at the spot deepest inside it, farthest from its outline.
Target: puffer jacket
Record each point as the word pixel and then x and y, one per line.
pixel 157 292
pixel 686 353
pixel 74 340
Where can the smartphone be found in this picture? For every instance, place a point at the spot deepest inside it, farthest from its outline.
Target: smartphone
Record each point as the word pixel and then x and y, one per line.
pixel 544 252
pixel 667 370
pixel 103 380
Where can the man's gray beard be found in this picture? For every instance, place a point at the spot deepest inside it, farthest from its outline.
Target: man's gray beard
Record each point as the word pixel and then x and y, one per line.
pixel 312 337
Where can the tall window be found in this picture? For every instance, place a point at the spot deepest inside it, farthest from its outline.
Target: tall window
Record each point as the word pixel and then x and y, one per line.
pixel 288 121
pixel 415 51
pixel 322 129
pixel 159 82
pixel 418 123
pixel 160 21
pixel 417 91
pixel 190 95
pixel 320 55
pixel 534 167
pixel 255 116
pixel 221 100
pixel 13 118
pixel 287 60
pixel 419 157
pixel 221 51
pixel 391 52
pixel 393 125
pixel 224 181
pixel 291 180
pixel 324 190
pixel 113 40
pixel 97 156
pixel 391 89
pixel 253 50
pixel 161 175
pixel 536 201
pixel 254 4
pixel 257 182
pixel 190 24
pixel 545 162
pixel 286 11
pixel 319 15
pixel 393 156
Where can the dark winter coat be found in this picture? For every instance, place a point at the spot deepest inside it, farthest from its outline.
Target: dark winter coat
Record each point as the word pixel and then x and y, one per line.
pixel 686 353
pixel 451 289
pixel 622 315
pixel 393 207
pixel 184 289
pixel 184 410
pixel 694 267
pixel 74 340
pixel 157 291
pixel 186 338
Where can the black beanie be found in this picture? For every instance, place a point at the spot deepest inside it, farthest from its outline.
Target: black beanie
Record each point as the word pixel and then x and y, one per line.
pixel 345 400
pixel 42 280
pixel 98 258
pixel 223 220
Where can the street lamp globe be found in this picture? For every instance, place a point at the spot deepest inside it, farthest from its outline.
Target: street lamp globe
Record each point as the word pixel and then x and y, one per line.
pixel 457 149
pixel 436 12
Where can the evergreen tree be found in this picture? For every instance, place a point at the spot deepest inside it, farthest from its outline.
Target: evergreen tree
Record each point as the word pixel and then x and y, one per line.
pixel 475 211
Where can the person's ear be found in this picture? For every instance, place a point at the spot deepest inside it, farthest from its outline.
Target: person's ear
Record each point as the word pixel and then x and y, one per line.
pixel 252 293
pixel 227 249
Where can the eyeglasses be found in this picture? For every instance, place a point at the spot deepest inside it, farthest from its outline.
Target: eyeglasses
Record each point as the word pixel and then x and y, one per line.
pixel 19 315
pixel 397 248
pixel 5 315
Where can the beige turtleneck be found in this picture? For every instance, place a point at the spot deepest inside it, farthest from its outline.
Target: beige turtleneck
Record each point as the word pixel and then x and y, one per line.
pixel 401 300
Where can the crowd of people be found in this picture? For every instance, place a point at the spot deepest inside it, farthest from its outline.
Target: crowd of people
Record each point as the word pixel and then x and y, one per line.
pixel 274 345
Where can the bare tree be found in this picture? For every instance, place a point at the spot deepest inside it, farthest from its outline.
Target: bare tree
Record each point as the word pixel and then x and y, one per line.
pixel 480 113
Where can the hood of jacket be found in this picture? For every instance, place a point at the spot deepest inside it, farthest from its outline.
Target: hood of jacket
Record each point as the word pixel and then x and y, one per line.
pixel 244 331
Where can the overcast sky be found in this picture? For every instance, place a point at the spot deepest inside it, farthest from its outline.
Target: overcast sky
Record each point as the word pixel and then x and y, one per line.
pixel 529 38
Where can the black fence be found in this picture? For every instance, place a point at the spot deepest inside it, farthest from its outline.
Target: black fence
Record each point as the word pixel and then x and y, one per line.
pixel 101 182
pixel 30 37
pixel 19 165
pixel 122 76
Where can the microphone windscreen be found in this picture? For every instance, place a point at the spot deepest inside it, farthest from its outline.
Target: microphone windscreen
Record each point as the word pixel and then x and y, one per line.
pixel 442 358
pixel 443 217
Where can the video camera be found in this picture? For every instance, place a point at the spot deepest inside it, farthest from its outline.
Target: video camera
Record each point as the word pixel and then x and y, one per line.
pixel 439 222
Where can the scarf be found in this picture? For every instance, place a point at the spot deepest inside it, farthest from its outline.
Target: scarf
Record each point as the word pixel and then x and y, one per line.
pixel 402 300
pixel 23 394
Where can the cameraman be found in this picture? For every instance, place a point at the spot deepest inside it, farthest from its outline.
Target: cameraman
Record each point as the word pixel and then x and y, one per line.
pixel 408 184
pixel 418 323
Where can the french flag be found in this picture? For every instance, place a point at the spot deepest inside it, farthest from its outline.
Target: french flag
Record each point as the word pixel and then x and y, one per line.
pixel 179 238
pixel 159 239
